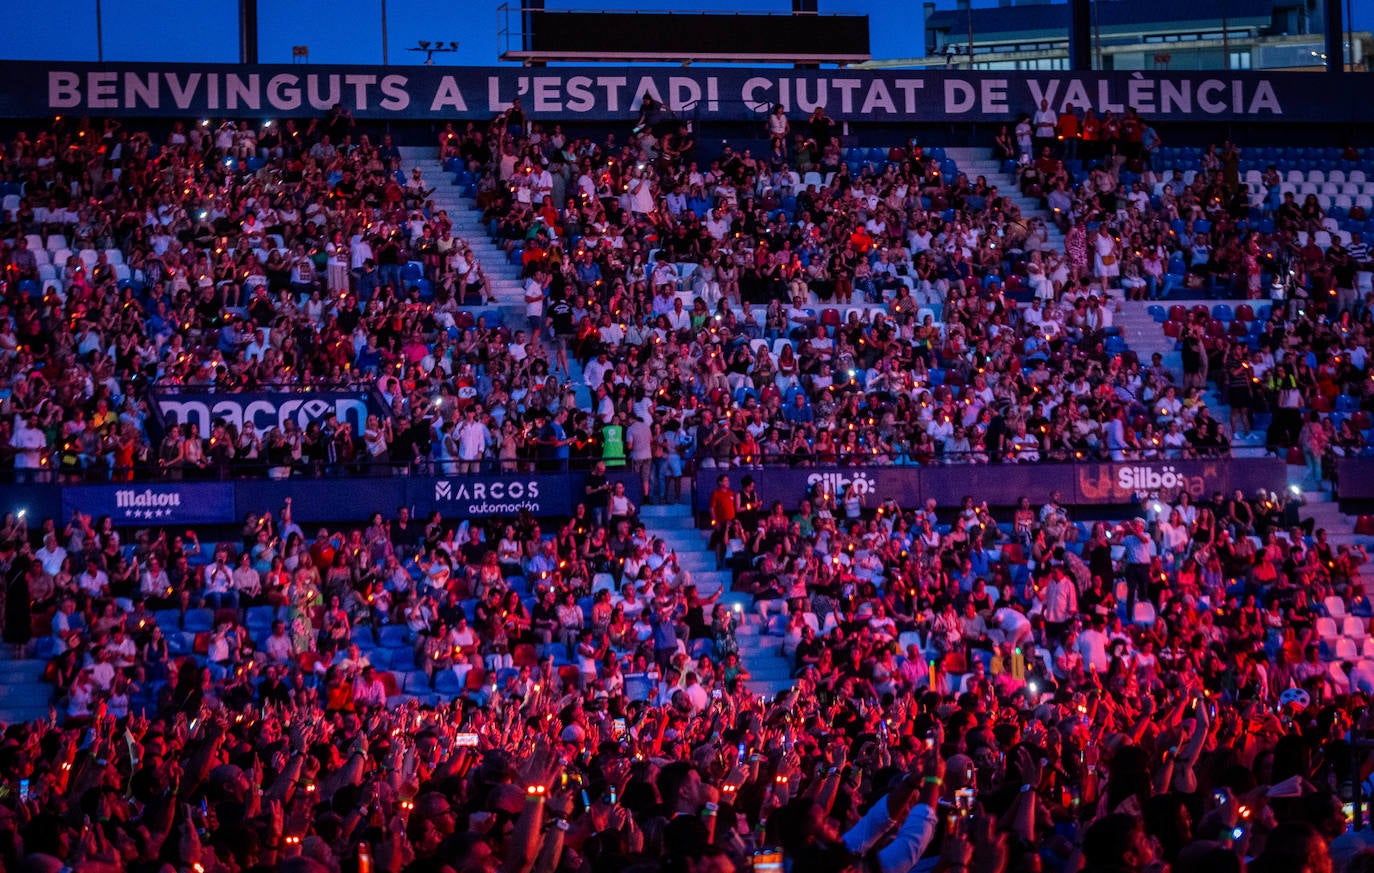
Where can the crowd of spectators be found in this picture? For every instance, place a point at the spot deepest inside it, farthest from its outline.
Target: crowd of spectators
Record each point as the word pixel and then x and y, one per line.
pixel 1186 689
pixel 407 696
pixel 796 307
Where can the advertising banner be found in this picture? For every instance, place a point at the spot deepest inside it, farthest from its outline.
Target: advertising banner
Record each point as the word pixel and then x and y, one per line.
pixel 1124 483
pixel 265 410
pixel 39 89
pixel 789 485
pixel 480 496
pixel 1006 484
pixel 153 503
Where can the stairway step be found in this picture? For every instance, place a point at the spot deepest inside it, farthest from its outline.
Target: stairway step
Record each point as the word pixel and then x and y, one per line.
pixel 26 694
pixel 676 510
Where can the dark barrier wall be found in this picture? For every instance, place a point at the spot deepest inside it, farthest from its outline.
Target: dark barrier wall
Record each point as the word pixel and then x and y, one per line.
pixel 1355 478
pixel 572 94
pixel 146 504
pixel 1004 485
pixel 154 504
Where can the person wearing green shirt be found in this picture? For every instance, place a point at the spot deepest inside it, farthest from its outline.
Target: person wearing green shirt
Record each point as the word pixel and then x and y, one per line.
pixel 613 442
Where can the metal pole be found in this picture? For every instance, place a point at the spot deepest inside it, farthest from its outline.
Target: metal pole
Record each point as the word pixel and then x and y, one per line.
pixel 970 36
pixel 1080 35
pixel 99 35
pixel 384 59
pixel 1349 36
pixel 1097 35
pixel 1335 33
pixel 1225 40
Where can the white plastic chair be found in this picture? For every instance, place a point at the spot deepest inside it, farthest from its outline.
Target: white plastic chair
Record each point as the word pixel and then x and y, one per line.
pixel 1355 628
pixel 1335 607
pixel 1346 651
pixel 1326 628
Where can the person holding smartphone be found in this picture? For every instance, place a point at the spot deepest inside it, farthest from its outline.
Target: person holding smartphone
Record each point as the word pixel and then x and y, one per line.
pixel 914 801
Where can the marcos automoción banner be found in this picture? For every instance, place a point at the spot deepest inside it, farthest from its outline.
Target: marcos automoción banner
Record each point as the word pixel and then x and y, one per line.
pixel 39 89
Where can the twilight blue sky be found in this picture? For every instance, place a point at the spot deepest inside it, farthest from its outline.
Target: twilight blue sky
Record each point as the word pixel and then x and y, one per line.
pixel 348 31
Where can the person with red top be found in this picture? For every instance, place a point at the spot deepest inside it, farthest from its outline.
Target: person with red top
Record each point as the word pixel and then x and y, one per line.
pixel 1068 131
pixel 722 509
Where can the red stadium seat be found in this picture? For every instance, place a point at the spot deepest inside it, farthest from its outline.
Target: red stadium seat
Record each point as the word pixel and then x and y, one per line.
pixel 1173 329
pixel 524 655
pixel 388 682
pixel 1245 312
pixel 1178 312
pixel 1364 526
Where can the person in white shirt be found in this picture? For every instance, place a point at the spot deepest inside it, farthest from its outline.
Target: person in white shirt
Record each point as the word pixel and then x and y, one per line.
pixel 28 442
pixel 359 252
pixel 121 648
pixel 1092 645
pixel 51 555
pixel 368 689
pixel 153 582
pixel 472 437
pixel 94 581
pixel 247 582
pixel 696 695
pixel 1044 123
pixel 534 300
pixel 679 319
pixel 279 647
pixel 219 584
pixel 1059 599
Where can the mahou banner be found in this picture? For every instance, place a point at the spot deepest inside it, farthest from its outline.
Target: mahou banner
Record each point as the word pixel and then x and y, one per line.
pixel 39 89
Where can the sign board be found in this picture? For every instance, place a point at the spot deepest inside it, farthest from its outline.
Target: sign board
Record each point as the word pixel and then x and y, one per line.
pixel 1006 484
pixel 264 409
pixel 41 89
pixel 153 504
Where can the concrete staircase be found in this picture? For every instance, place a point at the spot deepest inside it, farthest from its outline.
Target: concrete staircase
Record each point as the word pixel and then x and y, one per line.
pixel 1146 337
pixel 760 651
pixel 975 162
pixel 504 277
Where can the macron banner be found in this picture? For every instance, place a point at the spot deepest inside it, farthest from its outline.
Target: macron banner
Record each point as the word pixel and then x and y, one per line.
pixel 153 503
pixel 264 409
pixel 39 89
